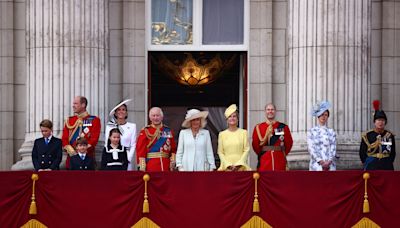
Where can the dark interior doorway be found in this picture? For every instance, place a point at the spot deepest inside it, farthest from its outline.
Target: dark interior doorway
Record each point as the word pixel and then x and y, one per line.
pixel 168 92
pixel 175 97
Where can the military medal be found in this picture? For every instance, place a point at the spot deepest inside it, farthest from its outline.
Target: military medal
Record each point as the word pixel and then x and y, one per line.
pixel 279 131
pixel 87 123
pixel 86 130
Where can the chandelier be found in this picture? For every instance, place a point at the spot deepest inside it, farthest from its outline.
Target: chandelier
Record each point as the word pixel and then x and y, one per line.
pixel 192 72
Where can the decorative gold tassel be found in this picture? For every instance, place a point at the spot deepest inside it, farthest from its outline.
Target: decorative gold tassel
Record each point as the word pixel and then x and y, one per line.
pixel 256 204
pixel 33 223
pixel 146 208
pixel 366 203
pixel 33 208
pixel 256 221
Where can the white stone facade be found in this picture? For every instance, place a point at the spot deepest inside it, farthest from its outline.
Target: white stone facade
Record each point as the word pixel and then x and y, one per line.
pixel 119 67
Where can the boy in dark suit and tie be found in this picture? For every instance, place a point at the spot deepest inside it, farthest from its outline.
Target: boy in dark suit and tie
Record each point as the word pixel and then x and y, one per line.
pixel 47 150
pixel 81 161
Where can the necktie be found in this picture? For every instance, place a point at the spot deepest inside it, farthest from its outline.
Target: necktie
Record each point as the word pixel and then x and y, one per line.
pixel 82 157
pixel 47 141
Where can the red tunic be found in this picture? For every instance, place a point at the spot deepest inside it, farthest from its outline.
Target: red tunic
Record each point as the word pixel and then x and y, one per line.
pixel 279 137
pixel 152 154
pixel 83 125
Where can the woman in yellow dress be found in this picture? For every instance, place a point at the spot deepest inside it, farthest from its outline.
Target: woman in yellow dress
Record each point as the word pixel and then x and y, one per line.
pixel 233 146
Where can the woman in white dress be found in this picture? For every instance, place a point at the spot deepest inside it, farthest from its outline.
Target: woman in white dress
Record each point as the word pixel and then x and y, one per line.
pixel 322 140
pixel 195 151
pixel 118 119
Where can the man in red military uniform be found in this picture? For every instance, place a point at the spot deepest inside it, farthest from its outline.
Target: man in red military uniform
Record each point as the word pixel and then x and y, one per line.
pixel 80 125
pixel 272 141
pixel 155 146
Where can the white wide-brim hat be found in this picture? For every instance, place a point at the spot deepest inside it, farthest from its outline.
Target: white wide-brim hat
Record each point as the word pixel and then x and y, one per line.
pixel 119 105
pixel 194 114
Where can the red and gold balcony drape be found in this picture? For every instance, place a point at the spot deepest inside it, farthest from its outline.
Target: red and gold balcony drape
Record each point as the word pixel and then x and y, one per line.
pixel 204 199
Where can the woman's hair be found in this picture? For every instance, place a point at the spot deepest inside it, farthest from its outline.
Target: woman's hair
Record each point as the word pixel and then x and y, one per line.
pixel 126 107
pixel 324 112
pixel 114 130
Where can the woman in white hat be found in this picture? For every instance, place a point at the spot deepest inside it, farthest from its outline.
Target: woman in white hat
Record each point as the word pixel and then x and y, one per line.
pixel 321 140
pixel 118 119
pixel 195 151
pixel 233 146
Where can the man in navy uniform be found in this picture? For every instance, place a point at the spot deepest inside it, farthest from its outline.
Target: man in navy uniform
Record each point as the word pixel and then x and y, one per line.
pixel 378 149
pixel 47 150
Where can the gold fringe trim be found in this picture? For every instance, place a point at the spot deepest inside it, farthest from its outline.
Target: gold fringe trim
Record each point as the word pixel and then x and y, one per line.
pixel 33 223
pixel 256 222
pixel 154 136
pixel 146 208
pixel 145 223
pixel 256 203
pixel 33 208
pixel 366 223
pixel 366 203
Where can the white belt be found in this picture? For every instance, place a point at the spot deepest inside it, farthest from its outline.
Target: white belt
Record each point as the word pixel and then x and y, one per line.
pixel 114 163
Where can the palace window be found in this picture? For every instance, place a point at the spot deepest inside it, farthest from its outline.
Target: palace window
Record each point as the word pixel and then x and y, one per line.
pixel 198 25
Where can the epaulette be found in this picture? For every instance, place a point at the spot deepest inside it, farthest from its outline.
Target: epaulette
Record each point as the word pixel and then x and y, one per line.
pixel 366 132
pixel 77 122
pixel 390 132
pixel 148 126
pixel 282 124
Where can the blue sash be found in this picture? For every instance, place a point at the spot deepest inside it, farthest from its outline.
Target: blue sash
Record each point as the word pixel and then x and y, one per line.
pixel 78 129
pixel 368 161
pixel 160 142
pixel 75 135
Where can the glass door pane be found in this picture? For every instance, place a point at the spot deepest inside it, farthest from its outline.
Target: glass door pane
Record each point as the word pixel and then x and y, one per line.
pixel 223 21
pixel 171 22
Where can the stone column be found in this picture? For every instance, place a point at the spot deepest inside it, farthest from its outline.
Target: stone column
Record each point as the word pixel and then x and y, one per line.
pixel 260 64
pixel 6 83
pixel 134 60
pixel 391 67
pixel 329 58
pixel 67 55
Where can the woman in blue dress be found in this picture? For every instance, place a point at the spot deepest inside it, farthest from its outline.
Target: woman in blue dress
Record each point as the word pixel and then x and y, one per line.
pixel 321 140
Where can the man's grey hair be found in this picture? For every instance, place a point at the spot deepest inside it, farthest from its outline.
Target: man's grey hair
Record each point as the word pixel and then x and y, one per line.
pixel 156 109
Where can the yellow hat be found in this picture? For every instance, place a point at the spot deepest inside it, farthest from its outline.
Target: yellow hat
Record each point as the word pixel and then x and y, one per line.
pixel 231 109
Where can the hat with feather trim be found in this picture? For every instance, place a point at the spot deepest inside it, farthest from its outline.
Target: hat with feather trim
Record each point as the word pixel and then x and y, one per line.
pixel 319 108
pixel 378 113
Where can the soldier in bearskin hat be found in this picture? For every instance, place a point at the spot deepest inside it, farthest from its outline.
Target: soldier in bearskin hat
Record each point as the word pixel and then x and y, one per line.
pixel 377 149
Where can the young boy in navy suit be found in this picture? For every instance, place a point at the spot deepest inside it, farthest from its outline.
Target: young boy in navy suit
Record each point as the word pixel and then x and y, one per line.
pixel 81 161
pixel 47 150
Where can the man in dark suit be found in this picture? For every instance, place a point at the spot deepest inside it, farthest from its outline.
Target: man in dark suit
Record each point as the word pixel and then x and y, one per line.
pixel 47 150
pixel 81 161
